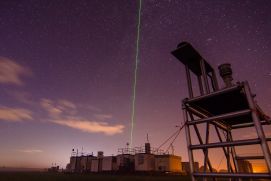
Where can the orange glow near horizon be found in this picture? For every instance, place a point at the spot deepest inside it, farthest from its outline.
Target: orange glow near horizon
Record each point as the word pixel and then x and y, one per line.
pixel 259 168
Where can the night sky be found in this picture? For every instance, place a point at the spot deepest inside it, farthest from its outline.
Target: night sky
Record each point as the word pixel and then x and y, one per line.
pixel 66 70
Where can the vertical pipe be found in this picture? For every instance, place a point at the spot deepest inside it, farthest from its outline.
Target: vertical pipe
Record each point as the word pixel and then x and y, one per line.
pixel 258 127
pixel 189 83
pixel 188 141
pixel 200 85
pixel 204 75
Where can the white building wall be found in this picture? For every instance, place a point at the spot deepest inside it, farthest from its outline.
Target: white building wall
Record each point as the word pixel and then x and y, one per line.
pixel 162 164
pixel 168 163
pixel 122 159
pixel 109 163
pixel 83 163
pixel 94 165
pixel 72 163
pixel 144 162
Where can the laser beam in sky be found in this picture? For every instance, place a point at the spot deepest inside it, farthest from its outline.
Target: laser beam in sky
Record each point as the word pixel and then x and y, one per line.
pixel 135 76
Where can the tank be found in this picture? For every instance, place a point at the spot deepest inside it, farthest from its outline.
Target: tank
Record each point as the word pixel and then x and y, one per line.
pixel 225 72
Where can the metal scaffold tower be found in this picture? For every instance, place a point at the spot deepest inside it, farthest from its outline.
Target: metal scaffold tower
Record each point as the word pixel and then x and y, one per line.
pixel 220 112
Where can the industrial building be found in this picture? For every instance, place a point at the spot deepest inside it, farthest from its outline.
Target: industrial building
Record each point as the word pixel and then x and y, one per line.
pixel 128 160
pixel 109 164
pixel 245 166
pixel 168 163
pixel 81 163
pixel 95 166
pixel 186 167
pixel 144 162
pixel 125 162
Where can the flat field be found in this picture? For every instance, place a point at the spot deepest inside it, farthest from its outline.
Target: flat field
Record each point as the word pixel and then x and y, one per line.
pixel 45 176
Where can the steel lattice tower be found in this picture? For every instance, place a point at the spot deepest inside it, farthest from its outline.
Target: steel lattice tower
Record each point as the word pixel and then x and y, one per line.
pixel 227 109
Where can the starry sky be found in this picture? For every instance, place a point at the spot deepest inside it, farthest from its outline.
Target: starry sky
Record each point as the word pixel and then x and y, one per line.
pixel 67 66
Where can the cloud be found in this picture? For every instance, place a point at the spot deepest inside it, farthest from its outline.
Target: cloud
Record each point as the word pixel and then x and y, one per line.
pixel 66 104
pixel 22 96
pixel 103 116
pixel 57 108
pixel 64 112
pixel 30 151
pixel 91 126
pixel 92 108
pixel 15 114
pixel 49 106
pixel 11 72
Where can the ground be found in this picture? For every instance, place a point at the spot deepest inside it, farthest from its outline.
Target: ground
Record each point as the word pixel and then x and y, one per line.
pixel 45 176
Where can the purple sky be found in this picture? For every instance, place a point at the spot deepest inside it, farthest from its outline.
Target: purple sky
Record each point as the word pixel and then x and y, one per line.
pixel 66 70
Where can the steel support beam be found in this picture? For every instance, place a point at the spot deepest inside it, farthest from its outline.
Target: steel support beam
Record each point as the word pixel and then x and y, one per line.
pixel 200 85
pixel 201 142
pixel 221 117
pixel 206 149
pixel 214 79
pixel 225 144
pixel 202 115
pixel 223 91
pixel 189 82
pixel 249 157
pixel 204 75
pixel 246 125
pixel 233 153
pixel 224 149
pixel 188 142
pixel 258 126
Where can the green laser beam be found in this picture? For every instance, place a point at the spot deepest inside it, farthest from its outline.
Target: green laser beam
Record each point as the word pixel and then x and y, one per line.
pixel 135 76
